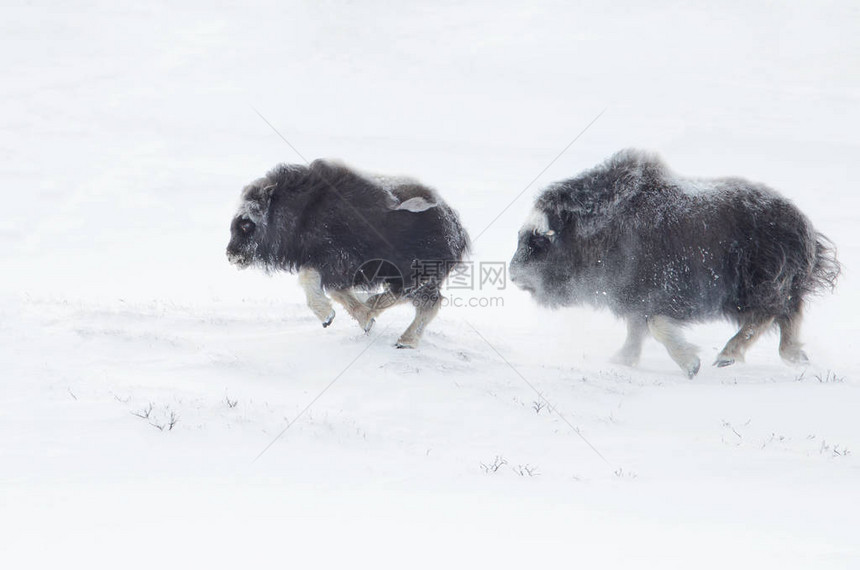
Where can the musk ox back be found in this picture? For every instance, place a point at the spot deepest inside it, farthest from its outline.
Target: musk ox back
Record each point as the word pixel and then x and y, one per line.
pixel 660 251
pixel 342 231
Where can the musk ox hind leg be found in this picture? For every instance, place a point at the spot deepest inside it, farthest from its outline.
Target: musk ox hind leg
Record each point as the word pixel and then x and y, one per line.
pixel 738 344
pixel 789 344
pixel 356 309
pixel 382 301
pixel 668 332
pixel 427 306
pixel 637 330
pixel 311 282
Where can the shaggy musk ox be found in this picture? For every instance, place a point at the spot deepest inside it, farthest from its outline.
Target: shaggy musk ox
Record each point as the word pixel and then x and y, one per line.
pixel 342 231
pixel 661 251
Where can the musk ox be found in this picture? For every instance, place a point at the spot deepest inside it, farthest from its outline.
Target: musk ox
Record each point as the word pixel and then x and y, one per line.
pixel 661 251
pixel 343 231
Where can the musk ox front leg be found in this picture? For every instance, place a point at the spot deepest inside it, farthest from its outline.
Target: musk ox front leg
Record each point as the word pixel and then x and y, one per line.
pixel 637 330
pixel 356 309
pixel 311 282
pixel 668 332
pixel 427 306
pixel 738 344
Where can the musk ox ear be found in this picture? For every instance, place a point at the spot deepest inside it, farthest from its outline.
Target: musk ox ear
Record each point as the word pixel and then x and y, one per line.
pixel 262 198
pixel 256 198
pixel 266 193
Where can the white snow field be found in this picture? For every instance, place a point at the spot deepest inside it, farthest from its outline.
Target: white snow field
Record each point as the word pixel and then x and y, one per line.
pixel 141 374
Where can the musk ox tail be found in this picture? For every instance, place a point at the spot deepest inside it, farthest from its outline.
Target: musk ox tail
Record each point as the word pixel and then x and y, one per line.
pixel 461 245
pixel 827 268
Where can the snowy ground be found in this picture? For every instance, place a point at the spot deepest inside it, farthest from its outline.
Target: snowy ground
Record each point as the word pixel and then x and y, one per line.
pixel 127 133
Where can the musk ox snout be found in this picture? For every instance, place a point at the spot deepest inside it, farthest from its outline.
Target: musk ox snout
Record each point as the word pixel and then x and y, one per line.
pixel 240 251
pixel 534 249
pixel 525 280
pixel 517 273
pixel 243 239
pixel 526 274
pixel 239 260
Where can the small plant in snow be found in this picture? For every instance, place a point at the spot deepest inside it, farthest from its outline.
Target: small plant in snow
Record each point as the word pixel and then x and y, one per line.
pixel 833 450
pixel 167 425
pixel 537 406
pixel 230 403
pixel 526 470
pixel 729 426
pixel 622 474
pixel 829 378
pixel 773 438
pixel 495 465
pixel 144 413
pixel 735 432
pixel 162 421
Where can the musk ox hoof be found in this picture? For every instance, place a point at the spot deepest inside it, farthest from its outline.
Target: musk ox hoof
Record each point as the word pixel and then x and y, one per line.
pixel 723 361
pixel 406 343
pixel 369 325
pixel 328 319
pixel 693 368
pixel 797 357
pixel 625 359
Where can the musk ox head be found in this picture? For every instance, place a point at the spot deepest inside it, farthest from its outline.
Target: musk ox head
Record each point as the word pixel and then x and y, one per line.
pixel 249 225
pixel 538 264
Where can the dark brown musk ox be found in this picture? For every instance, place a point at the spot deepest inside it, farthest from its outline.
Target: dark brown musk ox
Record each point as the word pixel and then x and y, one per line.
pixel 662 251
pixel 345 232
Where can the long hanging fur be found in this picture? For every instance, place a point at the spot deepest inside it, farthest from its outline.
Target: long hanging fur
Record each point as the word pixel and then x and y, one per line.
pixel 632 236
pixel 331 218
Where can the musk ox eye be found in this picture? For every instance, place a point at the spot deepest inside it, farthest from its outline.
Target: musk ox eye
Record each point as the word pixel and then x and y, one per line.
pixel 247 226
pixel 538 242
